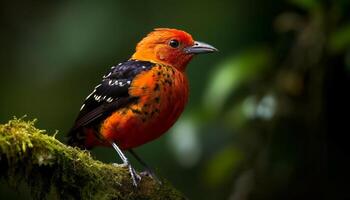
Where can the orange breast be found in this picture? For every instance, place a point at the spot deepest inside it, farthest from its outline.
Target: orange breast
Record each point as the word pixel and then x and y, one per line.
pixel 163 93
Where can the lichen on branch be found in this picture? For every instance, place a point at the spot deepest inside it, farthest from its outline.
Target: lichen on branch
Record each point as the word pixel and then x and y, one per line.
pixel 50 167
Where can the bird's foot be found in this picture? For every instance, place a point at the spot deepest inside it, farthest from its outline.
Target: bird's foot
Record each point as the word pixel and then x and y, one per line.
pixel 151 174
pixel 146 173
pixel 134 176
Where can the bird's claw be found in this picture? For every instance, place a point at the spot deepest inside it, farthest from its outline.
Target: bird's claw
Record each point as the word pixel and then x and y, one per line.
pixel 152 175
pixel 134 176
pixel 146 173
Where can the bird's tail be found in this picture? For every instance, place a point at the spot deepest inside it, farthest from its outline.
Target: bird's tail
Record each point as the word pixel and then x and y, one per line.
pixel 85 138
pixel 77 138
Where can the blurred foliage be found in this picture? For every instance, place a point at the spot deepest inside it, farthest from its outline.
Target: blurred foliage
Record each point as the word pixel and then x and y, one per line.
pixel 340 40
pixel 233 73
pixel 264 119
pixel 220 168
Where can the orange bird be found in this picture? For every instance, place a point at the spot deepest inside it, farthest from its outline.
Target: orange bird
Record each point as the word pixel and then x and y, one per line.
pixel 140 99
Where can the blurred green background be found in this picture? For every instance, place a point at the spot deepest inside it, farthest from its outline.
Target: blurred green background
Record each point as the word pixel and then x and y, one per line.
pixel 265 117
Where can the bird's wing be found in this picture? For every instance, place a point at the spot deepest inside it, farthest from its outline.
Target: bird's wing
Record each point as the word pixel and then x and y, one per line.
pixel 111 94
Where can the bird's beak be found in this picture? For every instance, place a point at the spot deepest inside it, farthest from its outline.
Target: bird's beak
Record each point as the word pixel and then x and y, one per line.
pixel 200 48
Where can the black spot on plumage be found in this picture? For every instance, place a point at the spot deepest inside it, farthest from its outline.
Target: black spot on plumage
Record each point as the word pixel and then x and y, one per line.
pixel 152 113
pixel 168 81
pixel 156 88
pixel 157 99
pixel 136 111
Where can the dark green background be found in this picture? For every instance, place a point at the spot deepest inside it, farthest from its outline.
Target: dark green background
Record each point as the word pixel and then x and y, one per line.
pixel 264 116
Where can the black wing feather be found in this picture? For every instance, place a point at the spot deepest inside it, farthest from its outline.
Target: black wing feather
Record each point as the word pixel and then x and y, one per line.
pixel 110 94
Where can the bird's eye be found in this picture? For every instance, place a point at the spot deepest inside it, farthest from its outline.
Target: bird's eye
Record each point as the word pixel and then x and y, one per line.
pixel 174 43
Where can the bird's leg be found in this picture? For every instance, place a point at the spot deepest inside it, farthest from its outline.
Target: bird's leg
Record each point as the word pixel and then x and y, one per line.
pixel 134 176
pixel 148 169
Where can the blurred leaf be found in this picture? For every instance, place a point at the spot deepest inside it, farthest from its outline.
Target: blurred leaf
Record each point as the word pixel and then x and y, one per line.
pixel 251 107
pixel 306 4
pixel 236 116
pixel 233 73
pixel 241 111
pixel 340 39
pixel 184 140
pixel 222 166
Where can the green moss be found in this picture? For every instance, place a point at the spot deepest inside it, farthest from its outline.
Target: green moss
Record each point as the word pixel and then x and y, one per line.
pixel 50 167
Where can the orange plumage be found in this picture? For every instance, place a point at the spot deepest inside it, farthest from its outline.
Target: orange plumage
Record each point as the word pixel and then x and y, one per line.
pixel 163 93
pixel 140 99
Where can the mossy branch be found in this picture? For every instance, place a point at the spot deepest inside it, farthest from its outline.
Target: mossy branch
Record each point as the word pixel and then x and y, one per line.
pixel 52 168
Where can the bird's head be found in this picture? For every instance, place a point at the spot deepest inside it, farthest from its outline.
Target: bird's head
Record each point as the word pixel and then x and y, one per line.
pixel 171 47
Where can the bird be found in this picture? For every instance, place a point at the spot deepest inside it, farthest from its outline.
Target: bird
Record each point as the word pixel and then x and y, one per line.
pixel 139 99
